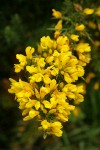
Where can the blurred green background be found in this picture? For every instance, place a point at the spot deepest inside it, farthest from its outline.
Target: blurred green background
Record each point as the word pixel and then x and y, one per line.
pixel 23 23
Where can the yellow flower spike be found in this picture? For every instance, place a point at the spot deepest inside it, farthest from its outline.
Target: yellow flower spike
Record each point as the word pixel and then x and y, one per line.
pixel 56 14
pixel 50 83
pixel 45 124
pixel 88 11
pixel 29 51
pixel 74 37
pixel 80 27
pixel 33 113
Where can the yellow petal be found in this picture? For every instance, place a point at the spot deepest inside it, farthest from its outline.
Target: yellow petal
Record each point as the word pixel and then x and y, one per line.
pixel 29 51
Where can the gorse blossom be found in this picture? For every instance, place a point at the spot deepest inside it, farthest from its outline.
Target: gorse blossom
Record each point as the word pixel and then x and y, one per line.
pixel 50 90
pixel 88 11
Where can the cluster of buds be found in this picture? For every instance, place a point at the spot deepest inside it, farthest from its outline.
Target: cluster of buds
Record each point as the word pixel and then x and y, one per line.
pixel 50 90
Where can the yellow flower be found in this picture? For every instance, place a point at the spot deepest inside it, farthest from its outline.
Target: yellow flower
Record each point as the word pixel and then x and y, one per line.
pixel 32 69
pixel 49 59
pixel 58 28
pixel 74 37
pixel 83 47
pixel 55 71
pixel 88 11
pixel 79 98
pixel 50 81
pixel 56 14
pixel 46 43
pixel 56 128
pixel 43 91
pixel 33 113
pixel 18 67
pixel 37 105
pixel 47 104
pixel 57 33
pixel 40 62
pixel 62 40
pixel 22 59
pixel 30 104
pixel 67 78
pixel 27 118
pixel 29 51
pixel 36 78
pixel 58 25
pixel 80 27
pixel 45 124
pixel 46 79
pixel 83 59
pixel 21 88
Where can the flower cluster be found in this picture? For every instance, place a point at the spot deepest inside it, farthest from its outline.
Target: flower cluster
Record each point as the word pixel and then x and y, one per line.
pixel 50 91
